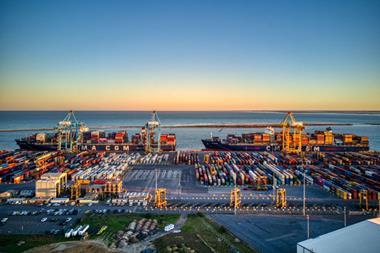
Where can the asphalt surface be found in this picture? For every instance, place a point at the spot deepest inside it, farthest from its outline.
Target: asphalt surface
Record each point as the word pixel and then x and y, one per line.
pixel 176 178
pixel 23 186
pixel 273 234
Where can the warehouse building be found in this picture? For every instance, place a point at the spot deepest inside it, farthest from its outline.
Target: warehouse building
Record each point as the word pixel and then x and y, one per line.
pixel 361 237
pixel 51 185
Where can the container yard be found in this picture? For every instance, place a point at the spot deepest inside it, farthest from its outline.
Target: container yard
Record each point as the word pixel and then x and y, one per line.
pixel 20 166
pixel 23 166
pixel 347 175
pixel 133 177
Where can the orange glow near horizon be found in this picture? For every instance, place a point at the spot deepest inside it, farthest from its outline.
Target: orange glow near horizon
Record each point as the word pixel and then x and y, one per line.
pixel 187 96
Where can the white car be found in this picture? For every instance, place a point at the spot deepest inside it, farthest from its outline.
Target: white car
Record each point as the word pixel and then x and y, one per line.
pixel 44 219
pixel 169 227
pixel 3 220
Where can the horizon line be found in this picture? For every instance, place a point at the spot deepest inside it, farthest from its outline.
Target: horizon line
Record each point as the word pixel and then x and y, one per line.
pixel 221 110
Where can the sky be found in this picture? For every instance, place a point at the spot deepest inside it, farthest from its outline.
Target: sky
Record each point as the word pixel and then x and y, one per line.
pixel 190 55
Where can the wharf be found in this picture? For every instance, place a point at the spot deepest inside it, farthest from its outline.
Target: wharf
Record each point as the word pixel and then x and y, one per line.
pixel 212 125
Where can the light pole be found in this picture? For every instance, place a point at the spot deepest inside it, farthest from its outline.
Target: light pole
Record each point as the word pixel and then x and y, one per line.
pixel 179 185
pixel 308 226
pixel 345 216
pixel 274 188
pixel 304 190
pixel 155 170
pixel 235 196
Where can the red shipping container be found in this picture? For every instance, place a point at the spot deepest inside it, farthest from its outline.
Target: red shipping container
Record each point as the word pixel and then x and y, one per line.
pixel 99 181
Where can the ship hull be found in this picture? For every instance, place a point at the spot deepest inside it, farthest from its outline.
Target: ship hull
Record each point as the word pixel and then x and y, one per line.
pixel 219 146
pixel 36 146
pixel 100 147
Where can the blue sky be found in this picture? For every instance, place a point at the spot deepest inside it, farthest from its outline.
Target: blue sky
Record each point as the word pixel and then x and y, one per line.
pixel 190 55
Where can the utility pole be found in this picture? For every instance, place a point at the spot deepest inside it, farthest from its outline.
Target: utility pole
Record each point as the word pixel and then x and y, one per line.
pixel 179 185
pixel 308 226
pixel 304 190
pixel 155 170
pixel 345 216
pixel 235 200
pixel 274 187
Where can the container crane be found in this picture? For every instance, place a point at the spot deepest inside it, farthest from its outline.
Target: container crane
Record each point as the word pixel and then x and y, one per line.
pixel 160 198
pixel 160 194
pixel 153 129
pixel 281 198
pixel 69 132
pixel 235 198
pixel 291 134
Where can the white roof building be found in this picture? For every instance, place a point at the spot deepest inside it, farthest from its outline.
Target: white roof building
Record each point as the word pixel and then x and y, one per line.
pixel 363 237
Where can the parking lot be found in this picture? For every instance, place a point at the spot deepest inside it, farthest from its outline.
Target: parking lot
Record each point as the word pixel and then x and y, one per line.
pixel 38 221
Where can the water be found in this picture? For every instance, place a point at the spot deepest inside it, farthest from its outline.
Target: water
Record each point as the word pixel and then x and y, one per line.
pixel 187 138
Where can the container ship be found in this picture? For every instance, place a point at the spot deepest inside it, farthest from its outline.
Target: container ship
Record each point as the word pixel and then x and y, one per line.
pixel 290 139
pixel 72 135
pixel 315 142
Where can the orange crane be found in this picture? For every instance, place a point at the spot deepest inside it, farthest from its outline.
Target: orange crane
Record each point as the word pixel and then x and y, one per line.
pixel 160 194
pixel 160 198
pixel 75 189
pixel 235 198
pixel 281 198
pixel 291 134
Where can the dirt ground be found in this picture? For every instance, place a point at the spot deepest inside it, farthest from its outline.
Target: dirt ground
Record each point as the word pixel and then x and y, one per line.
pixel 73 247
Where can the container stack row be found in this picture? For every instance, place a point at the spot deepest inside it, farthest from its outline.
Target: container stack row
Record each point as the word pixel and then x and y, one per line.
pixel 242 168
pixel 344 174
pixel 20 166
pixel 110 167
pixel 187 157
pixel 348 174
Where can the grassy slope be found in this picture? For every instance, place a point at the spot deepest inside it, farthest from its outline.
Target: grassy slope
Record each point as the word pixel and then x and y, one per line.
pixel 115 222
pixel 203 235
pixel 8 243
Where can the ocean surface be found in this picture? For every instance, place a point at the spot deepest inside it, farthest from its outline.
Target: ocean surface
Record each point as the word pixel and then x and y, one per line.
pixel 367 124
